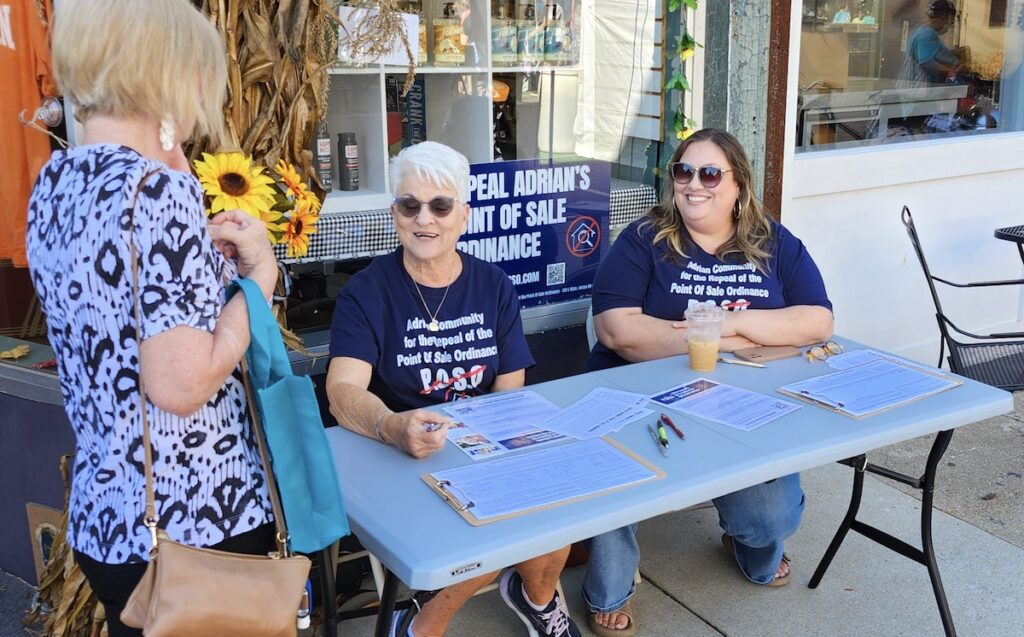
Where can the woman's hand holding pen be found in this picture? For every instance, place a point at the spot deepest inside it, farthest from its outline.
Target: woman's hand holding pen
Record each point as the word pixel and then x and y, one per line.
pixel 419 432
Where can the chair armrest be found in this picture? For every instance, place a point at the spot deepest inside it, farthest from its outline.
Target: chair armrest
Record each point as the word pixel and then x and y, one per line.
pixel 979 284
pixel 1001 335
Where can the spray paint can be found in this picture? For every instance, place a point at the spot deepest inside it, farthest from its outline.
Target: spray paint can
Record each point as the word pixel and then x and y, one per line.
pixel 348 162
pixel 322 153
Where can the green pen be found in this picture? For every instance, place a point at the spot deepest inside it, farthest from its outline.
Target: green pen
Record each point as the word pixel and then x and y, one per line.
pixel 662 436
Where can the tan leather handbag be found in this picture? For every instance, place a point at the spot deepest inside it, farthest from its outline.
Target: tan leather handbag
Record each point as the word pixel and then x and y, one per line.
pixel 196 592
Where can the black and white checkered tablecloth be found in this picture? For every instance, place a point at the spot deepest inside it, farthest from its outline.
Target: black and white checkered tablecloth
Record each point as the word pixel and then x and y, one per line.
pixel 369 233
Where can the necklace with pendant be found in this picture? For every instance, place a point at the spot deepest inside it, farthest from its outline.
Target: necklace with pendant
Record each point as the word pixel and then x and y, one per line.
pixel 433 325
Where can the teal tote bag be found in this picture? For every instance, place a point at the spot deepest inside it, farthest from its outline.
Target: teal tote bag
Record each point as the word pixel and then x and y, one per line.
pixel 303 464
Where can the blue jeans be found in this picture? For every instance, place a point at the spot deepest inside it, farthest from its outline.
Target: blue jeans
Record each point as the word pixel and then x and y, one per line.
pixel 758 518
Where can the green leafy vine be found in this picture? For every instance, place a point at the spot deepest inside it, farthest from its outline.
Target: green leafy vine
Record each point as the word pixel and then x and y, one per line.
pixel 684 50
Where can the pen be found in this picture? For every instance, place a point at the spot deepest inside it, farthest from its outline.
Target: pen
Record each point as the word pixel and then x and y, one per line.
pixel 654 436
pixel 662 436
pixel 733 361
pixel 668 421
pixel 431 426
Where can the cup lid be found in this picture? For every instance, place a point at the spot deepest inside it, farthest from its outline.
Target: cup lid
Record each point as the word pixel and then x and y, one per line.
pixel 704 312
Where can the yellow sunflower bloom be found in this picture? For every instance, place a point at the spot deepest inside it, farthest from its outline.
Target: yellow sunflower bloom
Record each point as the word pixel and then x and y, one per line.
pixel 295 184
pixel 300 226
pixel 684 133
pixel 291 178
pixel 277 225
pixel 231 181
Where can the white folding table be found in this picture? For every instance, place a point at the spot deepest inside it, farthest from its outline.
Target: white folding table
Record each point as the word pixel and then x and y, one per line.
pixel 427 545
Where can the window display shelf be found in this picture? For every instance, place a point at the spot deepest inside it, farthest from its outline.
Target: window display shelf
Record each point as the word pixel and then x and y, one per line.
pixel 340 201
pixel 355 70
pixel 495 105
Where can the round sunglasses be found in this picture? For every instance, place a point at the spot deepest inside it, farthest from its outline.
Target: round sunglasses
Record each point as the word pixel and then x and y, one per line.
pixel 409 206
pixel 709 176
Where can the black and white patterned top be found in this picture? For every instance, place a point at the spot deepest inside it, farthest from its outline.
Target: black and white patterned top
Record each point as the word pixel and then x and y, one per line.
pixel 209 482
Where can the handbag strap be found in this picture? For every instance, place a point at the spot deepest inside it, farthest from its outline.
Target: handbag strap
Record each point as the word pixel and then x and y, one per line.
pixel 151 519
pixel 261 443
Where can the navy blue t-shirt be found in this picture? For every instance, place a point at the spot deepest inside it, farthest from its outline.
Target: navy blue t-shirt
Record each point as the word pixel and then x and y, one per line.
pixel 638 273
pixel 380 319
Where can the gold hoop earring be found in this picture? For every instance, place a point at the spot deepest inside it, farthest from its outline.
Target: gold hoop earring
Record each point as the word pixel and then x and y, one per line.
pixel 167 134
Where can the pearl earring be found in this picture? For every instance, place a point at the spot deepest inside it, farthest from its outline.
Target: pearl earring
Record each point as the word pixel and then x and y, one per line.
pixel 167 134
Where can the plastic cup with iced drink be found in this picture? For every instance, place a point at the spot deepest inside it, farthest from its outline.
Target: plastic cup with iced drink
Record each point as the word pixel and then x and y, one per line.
pixel 703 331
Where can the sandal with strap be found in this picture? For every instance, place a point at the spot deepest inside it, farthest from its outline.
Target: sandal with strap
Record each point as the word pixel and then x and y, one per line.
pixel 605 631
pixel 730 545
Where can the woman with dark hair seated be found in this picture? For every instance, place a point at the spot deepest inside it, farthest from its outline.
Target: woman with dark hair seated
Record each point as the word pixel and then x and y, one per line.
pixel 708 222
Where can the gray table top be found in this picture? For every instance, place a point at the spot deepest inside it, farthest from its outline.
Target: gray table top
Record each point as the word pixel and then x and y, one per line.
pixel 428 546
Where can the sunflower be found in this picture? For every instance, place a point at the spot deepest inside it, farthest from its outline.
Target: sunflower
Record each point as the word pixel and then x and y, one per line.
pixel 684 133
pixel 277 224
pixel 231 181
pixel 295 185
pixel 301 224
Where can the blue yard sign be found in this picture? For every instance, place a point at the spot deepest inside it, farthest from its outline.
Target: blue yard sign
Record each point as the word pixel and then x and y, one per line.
pixel 545 224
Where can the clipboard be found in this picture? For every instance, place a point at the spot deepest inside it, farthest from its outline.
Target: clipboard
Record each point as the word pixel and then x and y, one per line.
pixel 452 495
pixel 839 407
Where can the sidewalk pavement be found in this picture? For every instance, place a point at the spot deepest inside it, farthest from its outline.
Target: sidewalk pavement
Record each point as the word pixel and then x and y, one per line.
pixel 691 587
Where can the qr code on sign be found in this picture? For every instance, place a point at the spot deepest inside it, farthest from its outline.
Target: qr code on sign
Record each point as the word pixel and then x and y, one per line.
pixel 556 273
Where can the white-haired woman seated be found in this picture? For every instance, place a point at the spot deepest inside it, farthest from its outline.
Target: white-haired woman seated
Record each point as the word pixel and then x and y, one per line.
pixel 382 382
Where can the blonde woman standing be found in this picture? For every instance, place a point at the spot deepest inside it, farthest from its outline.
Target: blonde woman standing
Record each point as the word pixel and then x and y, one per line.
pixel 144 75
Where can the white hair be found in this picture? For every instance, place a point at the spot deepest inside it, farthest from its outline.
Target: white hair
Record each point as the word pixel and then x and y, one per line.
pixel 435 163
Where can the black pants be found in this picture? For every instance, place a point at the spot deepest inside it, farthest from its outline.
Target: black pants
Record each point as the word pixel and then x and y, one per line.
pixel 114 583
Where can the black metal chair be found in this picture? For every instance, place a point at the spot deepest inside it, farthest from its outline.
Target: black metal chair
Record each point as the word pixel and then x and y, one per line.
pixel 999 363
pixel 998 359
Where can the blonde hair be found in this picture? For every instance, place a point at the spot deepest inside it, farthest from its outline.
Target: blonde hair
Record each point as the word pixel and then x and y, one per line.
pixel 753 228
pixel 160 58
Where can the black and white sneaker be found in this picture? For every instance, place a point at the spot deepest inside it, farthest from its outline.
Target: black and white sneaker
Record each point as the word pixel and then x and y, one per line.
pixel 553 621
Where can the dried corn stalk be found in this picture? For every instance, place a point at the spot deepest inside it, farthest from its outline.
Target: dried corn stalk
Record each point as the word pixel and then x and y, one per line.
pixel 279 52
pixel 65 603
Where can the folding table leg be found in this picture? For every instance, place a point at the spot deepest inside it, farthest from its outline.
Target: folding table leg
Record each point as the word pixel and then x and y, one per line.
pixel 858 464
pixel 924 555
pixel 927 495
pixel 387 605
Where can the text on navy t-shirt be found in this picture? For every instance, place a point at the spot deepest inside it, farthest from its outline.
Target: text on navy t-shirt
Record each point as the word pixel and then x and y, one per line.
pixel 639 273
pixel 379 318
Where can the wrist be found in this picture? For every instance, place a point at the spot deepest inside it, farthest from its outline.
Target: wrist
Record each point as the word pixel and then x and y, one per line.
pixel 265 276
pixel 378 426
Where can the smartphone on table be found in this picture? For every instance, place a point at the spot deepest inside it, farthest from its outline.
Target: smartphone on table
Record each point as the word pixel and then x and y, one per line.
pixel 766 353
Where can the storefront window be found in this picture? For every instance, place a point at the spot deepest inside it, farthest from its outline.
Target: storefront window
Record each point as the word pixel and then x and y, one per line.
pixel 558 105
pixel 887 71
pixel 502 80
